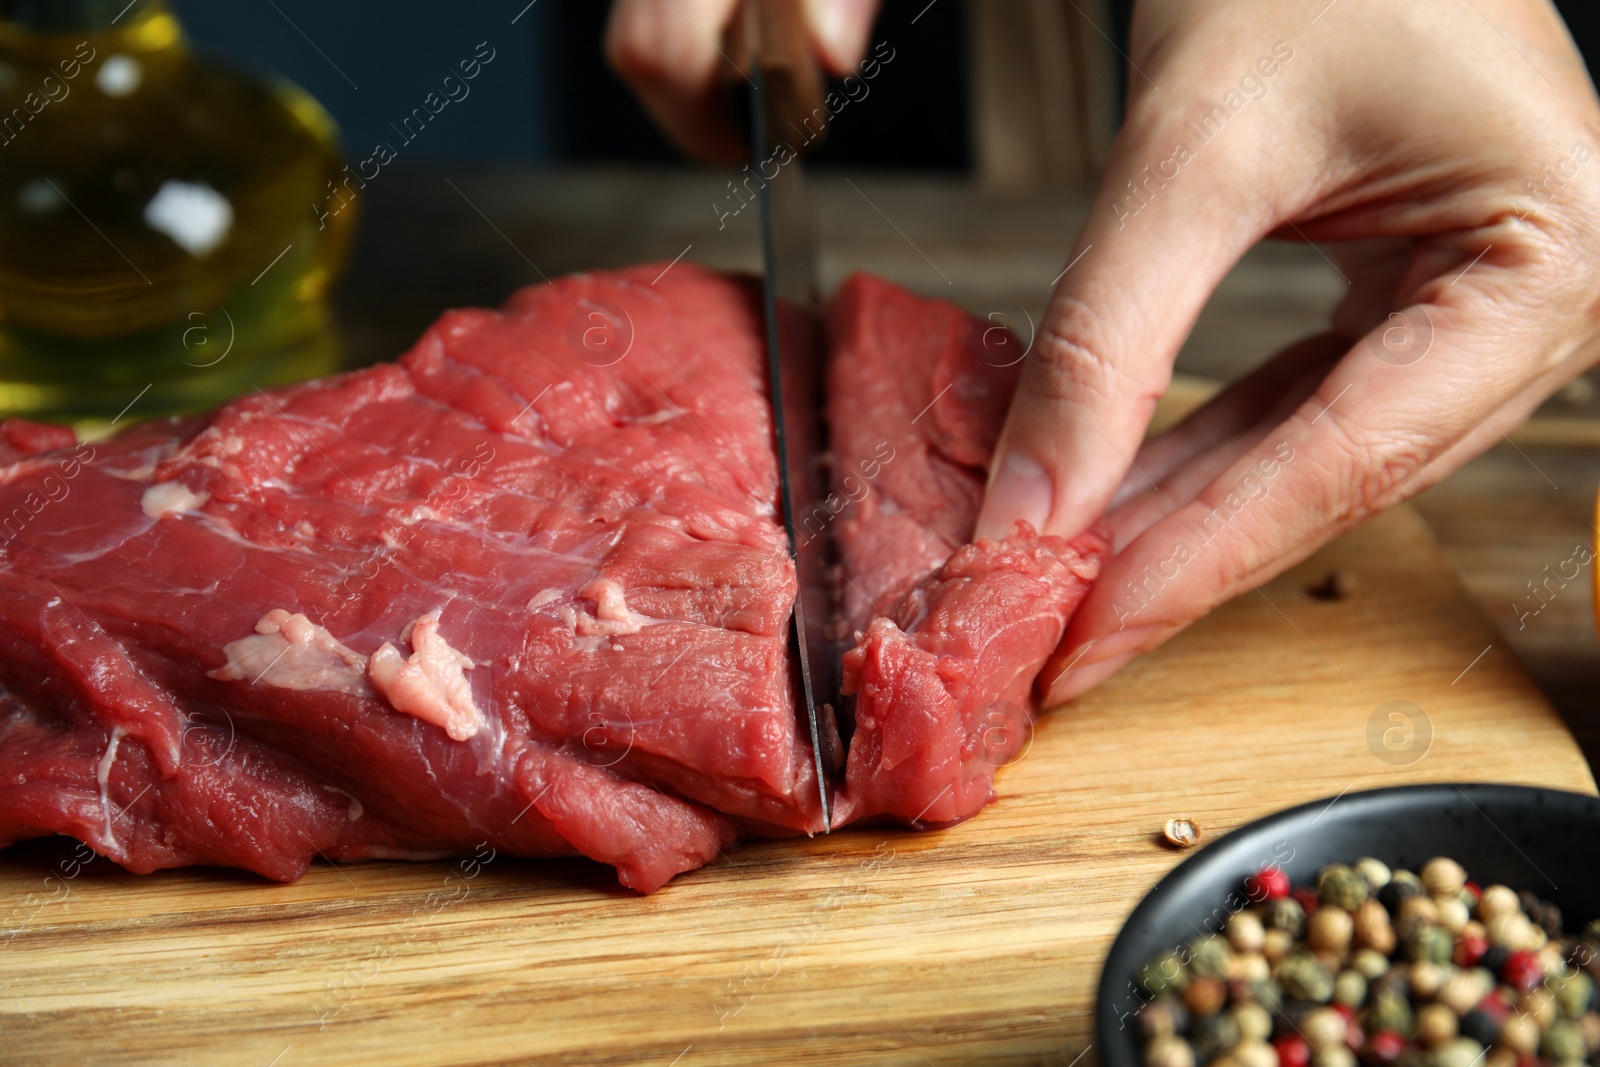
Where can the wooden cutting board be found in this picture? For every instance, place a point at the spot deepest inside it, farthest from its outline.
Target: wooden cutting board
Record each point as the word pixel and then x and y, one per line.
pixel 980 944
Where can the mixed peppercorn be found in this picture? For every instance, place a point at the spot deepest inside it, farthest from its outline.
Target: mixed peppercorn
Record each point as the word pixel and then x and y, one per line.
pixel 1382 967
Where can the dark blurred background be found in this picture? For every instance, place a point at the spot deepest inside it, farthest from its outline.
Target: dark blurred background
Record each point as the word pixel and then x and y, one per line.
pixel 548 96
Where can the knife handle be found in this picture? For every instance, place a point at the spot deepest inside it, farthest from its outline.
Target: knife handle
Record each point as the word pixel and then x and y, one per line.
pixel 773 35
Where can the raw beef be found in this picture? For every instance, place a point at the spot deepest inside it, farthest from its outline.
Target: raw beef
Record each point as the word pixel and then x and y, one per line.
pixel 525 587
pixel 950 635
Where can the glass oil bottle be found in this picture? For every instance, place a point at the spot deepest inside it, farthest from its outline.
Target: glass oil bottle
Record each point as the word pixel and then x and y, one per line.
pixel 161 243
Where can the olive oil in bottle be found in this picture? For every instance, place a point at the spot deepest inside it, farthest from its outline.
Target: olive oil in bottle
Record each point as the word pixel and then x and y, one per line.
pixel 161 247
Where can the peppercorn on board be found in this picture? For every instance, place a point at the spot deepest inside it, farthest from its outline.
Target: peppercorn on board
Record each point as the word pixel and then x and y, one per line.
pixel 980 943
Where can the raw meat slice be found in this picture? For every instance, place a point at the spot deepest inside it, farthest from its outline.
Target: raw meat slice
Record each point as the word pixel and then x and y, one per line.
pixel 20 439
pixel 954 634
pixel 458 589
pixel 514 590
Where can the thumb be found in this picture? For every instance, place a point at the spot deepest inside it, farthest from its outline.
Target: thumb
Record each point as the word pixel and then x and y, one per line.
pixel 1167 223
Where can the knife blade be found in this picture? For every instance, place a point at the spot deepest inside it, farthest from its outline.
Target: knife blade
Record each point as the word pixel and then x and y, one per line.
pixel 785 90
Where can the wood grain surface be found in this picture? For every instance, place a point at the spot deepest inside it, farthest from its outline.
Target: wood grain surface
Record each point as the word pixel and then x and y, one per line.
pixel 977 945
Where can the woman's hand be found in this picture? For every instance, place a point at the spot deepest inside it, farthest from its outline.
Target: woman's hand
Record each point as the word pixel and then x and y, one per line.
pixel 1454 145
pixel 1458 141
pixel 669 51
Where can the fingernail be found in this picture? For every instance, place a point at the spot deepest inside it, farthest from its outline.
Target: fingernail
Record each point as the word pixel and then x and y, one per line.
pixel 1098 659
pixel 1021 489
pixel 828 23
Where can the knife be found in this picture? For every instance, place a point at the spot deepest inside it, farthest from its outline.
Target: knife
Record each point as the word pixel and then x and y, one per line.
pixel 769 44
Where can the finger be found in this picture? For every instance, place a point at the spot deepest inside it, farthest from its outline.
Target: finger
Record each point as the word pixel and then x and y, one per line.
pixel 670 53
pixel 1074 669
pixel 841 28
pixel 1202 468
pixel 1232 420
pixel 1498 425
pixel 1372 435
pixel 1377 268
pixel 1188 482
pixel 1148 262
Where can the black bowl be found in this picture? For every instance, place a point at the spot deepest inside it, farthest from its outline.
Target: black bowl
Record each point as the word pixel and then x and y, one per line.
pixel 1543 840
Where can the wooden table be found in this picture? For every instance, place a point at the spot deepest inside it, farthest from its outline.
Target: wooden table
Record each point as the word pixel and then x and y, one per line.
pixel 976 945
pixel 979 944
